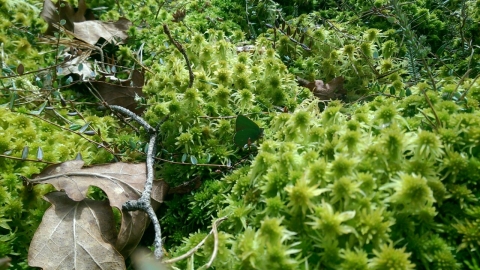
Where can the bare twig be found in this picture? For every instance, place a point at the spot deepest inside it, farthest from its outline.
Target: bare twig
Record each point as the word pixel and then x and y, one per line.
pixel 466 90
pixel 439 124
pixel 79 134
pixel 26 159
pixel 120 10
pixel 215 243
pixel 200 164
pixel 135 117
pixel 459 83
pixel 182 51
pixel 429 121
pixel 144 203
pixel 159 8
pixel 195 248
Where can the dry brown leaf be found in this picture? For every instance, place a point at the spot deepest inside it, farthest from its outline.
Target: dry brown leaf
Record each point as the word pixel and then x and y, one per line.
pixel 65 12
pixel 75 235
pixel 92 31
pixel 124 94
pixel 332 90
pixel 81 23
pixel 72 65
pixel 5 263
pixel 120 181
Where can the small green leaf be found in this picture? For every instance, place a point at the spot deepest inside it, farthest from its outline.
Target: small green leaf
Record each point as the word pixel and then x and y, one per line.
pixel 40 109
pixel 39 153
pixel 80 67
pixel 193 159
pixel 13 97
pixel 7 70
pixel 133 145
pixel 39 82
pixel 184 157
pixel 84 127
pixel 25 152
pixel 146 148
pixel 75 127
pixel 247 131
pixel 392 90
pixel 408 92
pixel 63 22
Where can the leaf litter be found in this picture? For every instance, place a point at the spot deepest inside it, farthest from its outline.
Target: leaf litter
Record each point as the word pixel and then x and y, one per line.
pixel 72 214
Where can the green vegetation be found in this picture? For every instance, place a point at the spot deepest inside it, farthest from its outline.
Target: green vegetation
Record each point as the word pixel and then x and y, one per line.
pixel 385 177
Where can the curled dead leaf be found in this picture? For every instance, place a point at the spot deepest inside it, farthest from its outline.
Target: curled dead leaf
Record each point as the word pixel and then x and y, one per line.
pixel 112 32
pixel 53 14
pixel 81 23
pixel 325 91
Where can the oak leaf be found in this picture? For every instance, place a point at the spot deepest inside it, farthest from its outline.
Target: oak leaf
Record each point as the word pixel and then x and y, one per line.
pixel 75 235
pixel 81 23
pixel 123 94
pixel 121 182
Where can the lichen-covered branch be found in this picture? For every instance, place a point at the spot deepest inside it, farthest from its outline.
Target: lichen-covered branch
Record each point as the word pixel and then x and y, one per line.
pixel 144 203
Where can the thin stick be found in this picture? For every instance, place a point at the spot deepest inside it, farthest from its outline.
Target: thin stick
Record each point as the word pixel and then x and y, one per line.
pixel 200 164
pixel 135 117
pixel 79 134
pixel 26 159
pixel 459 83
pixel 466 90
pixel 430 121
pixel 215 245
pixel 195 248
pixel 144 203
pixel 182 51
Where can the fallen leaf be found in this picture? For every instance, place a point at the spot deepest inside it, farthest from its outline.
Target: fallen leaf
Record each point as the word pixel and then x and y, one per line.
pixel 332 90
pixel 75 235
pixel 112 32
pixel 120 181
pixel 54 13
pixel 81 23
pixel 160 190
pixel 124 94
pixel 78 64
pixel 5 263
